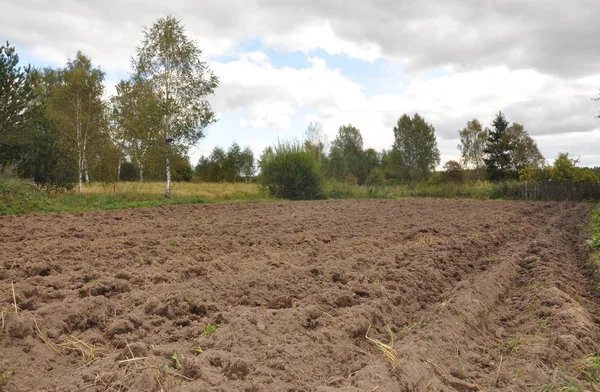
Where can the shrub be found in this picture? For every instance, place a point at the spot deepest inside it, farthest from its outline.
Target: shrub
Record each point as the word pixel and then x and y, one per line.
pixel 292 173
pixel 453 172
pixel 376 177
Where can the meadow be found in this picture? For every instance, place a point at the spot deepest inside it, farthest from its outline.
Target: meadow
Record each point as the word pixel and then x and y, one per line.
pixel 19 197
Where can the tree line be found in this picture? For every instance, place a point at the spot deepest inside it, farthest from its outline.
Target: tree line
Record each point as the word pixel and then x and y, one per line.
pixel 504 151
pixel 56 127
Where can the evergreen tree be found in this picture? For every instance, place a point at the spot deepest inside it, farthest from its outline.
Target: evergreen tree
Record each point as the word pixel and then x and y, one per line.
pixel 17 90
pixel 18 101
pixel 497 149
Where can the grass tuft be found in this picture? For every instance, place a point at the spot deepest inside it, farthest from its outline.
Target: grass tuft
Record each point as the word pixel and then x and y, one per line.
pixel 387 349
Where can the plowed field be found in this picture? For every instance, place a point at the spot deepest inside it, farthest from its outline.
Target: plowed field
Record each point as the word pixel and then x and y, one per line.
pixel 298 296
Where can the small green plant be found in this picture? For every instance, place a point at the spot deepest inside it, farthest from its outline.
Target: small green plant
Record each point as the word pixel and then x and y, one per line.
pixel 210 329
pixel 543 324
pixel 172 242
pixel 4 377
pixel 198 350
pixel 565 382
pixel 594 242
pixel 175 360
pixel 591 369
pixel 513 345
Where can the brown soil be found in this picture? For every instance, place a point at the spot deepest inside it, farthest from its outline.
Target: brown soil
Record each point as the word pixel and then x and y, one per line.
pixel 478 295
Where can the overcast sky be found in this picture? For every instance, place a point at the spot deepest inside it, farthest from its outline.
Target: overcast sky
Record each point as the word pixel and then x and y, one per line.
pixel 282 64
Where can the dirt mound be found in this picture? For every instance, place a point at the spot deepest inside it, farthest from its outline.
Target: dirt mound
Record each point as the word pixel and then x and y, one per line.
pixel 405 295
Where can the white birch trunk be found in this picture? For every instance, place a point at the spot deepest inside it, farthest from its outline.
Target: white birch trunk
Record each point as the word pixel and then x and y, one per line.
pixel 119 169
pixel 80 148
pixel 80 174
pixel 168 165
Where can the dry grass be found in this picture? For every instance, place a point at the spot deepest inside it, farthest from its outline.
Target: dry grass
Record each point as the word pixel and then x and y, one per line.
pixel 184 190
pixel 387 349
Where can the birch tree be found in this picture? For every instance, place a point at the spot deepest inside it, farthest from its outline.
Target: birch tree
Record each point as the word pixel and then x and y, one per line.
pixel 137 116
pixel 316 139
pixel 416 143
pixel 76 107
pixel 472 143
pixel 170 62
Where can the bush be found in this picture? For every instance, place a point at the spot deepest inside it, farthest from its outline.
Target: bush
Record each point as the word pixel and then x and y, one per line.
pixel 376 177
pixel 453 172
pixel 182 169
pixel 292 173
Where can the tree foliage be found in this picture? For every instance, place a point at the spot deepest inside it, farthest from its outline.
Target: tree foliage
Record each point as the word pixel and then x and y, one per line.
pixel 75 107
pixel 472 144
pixel 497 149
pixel 347 150
pixel 292 172
pixel 523 150
pixel 46 156
pixel 136 114
pixel 453 172
pixel 17 90
pixel 509 149
pixel 316 140
pixel 234 165
pixel 416 144
pixel 170 63
pixel 564 169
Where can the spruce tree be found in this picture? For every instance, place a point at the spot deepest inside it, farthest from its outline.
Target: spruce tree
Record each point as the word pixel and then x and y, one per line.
pixel 497 149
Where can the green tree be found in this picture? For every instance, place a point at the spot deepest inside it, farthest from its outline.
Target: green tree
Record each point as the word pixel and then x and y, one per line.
pixel 370 160
pixel 136 111
pixel 497 149
pixel 337 165
pixel 392 165
pixel 170 62
pixel 415 142
pixel 217 164
pixel 376 177
pixel 17 90
pixel 265 156
pixel 472 143
pixel 46 156
pixel 76 108
pixel 182 169
pixel 316 140
pixel 523 150
pixel 453 172
pixel 233 163
pixel 349 143
pixel 18 101
pixel 292 172
pixel 247 168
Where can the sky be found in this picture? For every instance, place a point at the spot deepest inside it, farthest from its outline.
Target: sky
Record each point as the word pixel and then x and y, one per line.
pixel 283 64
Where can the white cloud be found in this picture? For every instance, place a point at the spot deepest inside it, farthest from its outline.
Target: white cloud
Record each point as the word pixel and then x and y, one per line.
pixel 320 35
pixel 276 115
